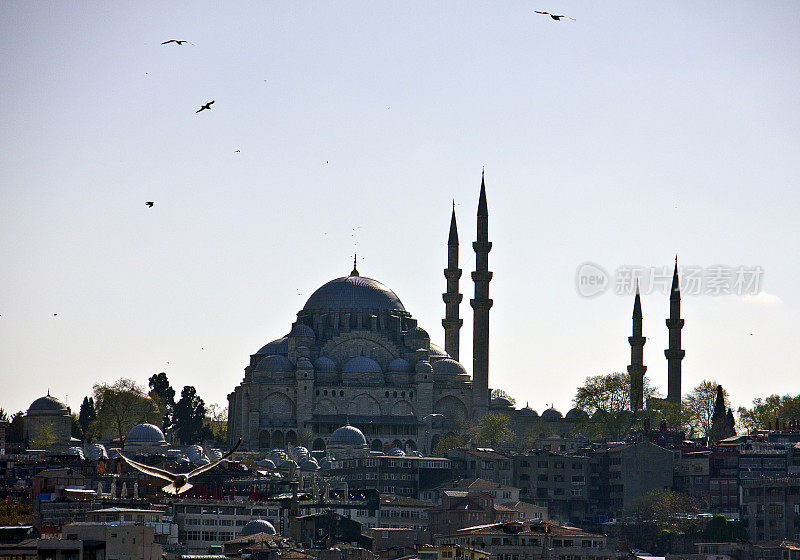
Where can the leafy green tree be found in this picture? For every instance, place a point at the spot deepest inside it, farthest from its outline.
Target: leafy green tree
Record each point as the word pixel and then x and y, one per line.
pixel 44 437
pixel 120 406
pixel 75 430
pixel 87 414
pixel 661 506
pixel 765 412
pixel 494 430
pixel 446 443
pixel 15 512
pixel 719 529
pixel 162 391
pixel 190 411
pixel 217 422
pixel 699 404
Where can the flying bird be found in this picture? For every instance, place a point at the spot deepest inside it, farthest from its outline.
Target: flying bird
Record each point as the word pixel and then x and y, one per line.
pixel 556 17
pixel 176 41
pixel 237 151
pixel 150 203
pixel 178 483
pixel 204 107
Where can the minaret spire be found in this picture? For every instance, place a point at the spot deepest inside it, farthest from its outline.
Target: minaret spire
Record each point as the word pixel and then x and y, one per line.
pixel 637 368
pixel 674 353
pixel 481 305
pixel 452 299
pixel 354 272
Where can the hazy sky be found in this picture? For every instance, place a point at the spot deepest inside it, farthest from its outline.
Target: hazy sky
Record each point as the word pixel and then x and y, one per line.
pixel 640 130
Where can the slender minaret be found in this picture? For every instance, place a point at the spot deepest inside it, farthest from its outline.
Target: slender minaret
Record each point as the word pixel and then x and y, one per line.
pixel 481 305
pixel 452 299
pixel 674 353
pixel 637 368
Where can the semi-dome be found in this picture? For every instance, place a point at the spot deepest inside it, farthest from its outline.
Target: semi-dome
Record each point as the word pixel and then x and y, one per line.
pixel 354 293
pixel 47 404
pixel 279 346
pixel 304 363
pixel 399 365
pixel 324 364
pixel 448 366
pixel 145 433
pixel 396 452
pixel 194 452
pixel 257 526
pixel 361 364
pixel 274 364
pixel 551 414
pixel 303 330
pixel 576 414
pixel 437 351
pixel 347 435
pixel 308 464
pixel 417 332
pixel 500 402
pixel 96 451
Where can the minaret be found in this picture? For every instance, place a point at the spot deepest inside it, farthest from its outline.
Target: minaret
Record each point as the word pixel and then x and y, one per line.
pixel 637 368
pixel 674 353
pixel 481 305
pixel 452 299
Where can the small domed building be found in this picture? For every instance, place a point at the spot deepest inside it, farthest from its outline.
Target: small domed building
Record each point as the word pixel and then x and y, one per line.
pixel 145 439
pixel 257 526
pixel 49 413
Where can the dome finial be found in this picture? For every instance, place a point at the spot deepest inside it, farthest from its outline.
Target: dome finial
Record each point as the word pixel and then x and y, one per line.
pixel 355 270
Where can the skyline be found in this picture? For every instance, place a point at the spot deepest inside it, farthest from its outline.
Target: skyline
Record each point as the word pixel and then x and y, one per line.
pixel 603 142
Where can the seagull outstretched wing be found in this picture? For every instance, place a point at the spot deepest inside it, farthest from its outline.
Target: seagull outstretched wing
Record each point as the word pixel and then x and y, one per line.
pixel 210 466
pixel 147 469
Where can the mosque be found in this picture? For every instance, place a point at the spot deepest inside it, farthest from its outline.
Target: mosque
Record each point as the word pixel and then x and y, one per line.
pixel 356 356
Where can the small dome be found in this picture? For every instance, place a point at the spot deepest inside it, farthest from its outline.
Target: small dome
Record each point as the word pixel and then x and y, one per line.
pixel 278 456
pixel 423 366
pixel 194 453
pixel 202 461
pixel 576 414
pixel 274 364
pixel 287 463
pixel 266 464
pixel 303 330
pixel 215 454
pixel 47 404
pixel 279 346
pixel 551 414
pixel 599 415
pixel 304 363
pixel 76 451
pixel 145 433
pixel 396 452
pixel 257 526
pixel 301 451
pixel 347 435
pixel 324 364
pixel 309 465
pixel 399 365
pixel 325 464
pixel 417 332
pixel 528 411
pixel 501 402
pixel 96 451
pixel 448 366
pixel 361 364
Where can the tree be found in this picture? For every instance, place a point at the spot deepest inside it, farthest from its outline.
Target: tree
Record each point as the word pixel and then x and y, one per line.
pixel 766 412
pixel 494 430
pixel 661 506
pixel 15 512
pixel 446 443
pixel 3 416
pixel 162 391
pixel 120 406
pixel 699 404
pixel 87 414
pixel 44 437
pixel 190 411
pixel 606 399
pixel 75 430
pixel 217 422
pixel 730 425
pixel 718 417
pixel 501 394
pixel 15 433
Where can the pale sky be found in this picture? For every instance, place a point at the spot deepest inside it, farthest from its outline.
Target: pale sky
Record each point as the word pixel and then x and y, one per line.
pixel 638 131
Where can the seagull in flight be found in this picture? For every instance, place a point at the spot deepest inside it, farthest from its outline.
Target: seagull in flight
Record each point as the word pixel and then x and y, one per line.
pixel 178 483
pixel 176 41
pixel 556 17
pixel 149 203
pixel 206 106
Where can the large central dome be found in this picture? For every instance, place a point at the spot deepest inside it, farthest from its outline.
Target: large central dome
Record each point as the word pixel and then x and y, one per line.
pixel 354 293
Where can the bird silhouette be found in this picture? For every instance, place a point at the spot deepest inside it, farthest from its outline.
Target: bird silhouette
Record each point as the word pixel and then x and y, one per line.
pixel 556 17
pixel 204 107
pixel 237 151
pixel 150 203
pixel 178 483
pixel 55 314
pixel 176 41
